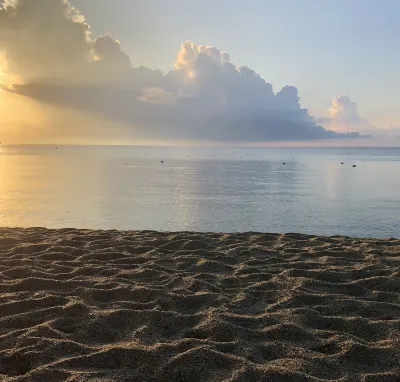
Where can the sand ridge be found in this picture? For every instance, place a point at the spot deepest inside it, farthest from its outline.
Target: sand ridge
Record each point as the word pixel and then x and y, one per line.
pixel 87 305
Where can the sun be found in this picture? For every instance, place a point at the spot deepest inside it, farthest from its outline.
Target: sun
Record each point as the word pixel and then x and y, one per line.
pixel 191 74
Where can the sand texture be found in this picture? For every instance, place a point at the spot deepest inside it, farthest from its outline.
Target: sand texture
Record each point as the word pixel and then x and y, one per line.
pixel 83 305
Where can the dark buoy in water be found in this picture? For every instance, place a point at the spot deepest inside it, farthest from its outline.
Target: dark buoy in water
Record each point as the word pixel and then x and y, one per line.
pixel 341 163
pixel 354 165
pixel 284 163
pixel 162 161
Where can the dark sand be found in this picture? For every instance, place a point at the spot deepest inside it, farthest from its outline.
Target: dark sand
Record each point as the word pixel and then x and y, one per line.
pixel 82 305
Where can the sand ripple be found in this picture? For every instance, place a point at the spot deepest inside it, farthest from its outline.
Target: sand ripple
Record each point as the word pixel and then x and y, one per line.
pixel 82 305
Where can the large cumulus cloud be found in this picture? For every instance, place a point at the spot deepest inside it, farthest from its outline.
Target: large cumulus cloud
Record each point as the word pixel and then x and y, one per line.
pixel 49 46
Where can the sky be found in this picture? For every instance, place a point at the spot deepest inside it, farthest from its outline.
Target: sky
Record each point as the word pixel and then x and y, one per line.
pixel 325 48
pixel 339 57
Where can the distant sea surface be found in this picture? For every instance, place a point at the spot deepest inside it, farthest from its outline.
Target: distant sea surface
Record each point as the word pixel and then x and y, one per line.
pixel 203 189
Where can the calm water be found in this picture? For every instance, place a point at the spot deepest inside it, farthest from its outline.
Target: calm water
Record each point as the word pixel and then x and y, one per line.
pixel 203 189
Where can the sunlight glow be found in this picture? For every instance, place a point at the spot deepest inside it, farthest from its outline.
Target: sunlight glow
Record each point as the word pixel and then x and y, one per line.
pixel 1 79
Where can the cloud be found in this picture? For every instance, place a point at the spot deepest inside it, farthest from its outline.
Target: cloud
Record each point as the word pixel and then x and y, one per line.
pixel 48 44
pixel 42 38
pixel 344 110
pixel 344 117
pixel 158 96
pixel 109 51
pixel 187 57
pixel 48 41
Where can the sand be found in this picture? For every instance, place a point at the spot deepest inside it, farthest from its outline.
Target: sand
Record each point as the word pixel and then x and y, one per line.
pixel 83 305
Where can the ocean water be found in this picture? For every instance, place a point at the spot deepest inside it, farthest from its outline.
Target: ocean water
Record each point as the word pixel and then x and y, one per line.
pixel 203 189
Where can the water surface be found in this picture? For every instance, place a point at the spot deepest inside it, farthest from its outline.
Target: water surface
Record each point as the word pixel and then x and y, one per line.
pixel 203 189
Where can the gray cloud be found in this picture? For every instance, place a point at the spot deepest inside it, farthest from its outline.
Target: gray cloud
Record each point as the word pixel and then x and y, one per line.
pixel 110 52
pixel 205 97
pixel 158 96
pixel 48 41
pixel 42 38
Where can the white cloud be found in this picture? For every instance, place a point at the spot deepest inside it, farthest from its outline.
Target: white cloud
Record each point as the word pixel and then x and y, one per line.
pixel 344 110
pixel 189 53
pixel 344 118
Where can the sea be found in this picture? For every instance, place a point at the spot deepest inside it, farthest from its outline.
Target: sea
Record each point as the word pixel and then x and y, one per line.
pixel 212 189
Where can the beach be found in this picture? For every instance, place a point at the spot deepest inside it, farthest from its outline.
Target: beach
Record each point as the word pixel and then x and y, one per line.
pixel 96 305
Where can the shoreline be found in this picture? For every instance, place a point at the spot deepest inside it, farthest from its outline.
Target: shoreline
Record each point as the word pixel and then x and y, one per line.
pixel 175 232
pixel 81 305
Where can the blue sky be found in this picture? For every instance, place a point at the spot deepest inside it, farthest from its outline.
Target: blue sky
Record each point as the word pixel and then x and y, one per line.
pixel 326 48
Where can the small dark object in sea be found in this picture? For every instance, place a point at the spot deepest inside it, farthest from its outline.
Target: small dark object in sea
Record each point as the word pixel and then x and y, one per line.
pixel 284 163
pixel 162 161
pixel 341 163
pixel 354 165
